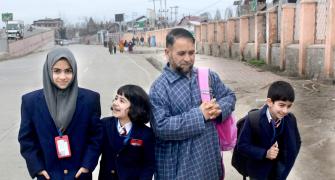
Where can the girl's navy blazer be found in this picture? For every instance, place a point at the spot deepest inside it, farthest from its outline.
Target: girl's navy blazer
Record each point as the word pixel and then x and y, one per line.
pixel 127 158
pixel 38 131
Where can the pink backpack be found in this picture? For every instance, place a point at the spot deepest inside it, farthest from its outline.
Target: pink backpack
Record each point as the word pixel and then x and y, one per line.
pixel 226 129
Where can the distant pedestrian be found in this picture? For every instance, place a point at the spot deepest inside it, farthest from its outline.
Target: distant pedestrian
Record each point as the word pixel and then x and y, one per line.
pixel 111 45
pixel 130 47
pixel 149 39
pixel 271 147
pixel 125 44
pixel 133 40
pixel 142 40
pixel 121 46
pixel 128 144
pixel 137 41
pixel 60 132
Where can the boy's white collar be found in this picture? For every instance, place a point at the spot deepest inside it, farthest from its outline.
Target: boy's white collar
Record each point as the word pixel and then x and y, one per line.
pixel 268 115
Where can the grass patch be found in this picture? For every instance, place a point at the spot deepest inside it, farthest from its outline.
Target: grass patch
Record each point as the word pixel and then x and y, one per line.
pixel 257 62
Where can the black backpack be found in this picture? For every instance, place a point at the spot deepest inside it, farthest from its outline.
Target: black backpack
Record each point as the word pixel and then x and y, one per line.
pixel 239 161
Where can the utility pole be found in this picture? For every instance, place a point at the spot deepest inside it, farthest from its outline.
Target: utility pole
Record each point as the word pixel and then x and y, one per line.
pixel 165 10
pixel 134 14
pixel 160 10
pixel 154 12
pixel 175 12
pixel 154 8
pixel 171 13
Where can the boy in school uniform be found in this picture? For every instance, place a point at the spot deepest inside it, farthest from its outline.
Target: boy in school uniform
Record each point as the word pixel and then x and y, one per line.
pixel 272 154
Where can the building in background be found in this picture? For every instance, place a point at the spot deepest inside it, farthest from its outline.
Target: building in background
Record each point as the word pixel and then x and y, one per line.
pixel 138 24
pixel 48 22
pixel 55 24
pixel 189 22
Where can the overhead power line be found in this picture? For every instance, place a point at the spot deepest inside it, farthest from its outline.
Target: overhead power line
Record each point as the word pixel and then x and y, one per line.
pixel 207 7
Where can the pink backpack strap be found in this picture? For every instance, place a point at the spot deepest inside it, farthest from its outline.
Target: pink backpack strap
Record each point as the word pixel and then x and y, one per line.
pixel 203 84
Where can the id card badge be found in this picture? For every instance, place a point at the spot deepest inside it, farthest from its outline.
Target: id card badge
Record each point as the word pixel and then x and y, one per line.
pixel 63 146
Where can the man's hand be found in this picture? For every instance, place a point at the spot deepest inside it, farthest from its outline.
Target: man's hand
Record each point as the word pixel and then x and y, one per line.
pixel 44 173
pixel 204 109
pixel 214 109
pixel 272 152
pixel 210 109
pixel 80 171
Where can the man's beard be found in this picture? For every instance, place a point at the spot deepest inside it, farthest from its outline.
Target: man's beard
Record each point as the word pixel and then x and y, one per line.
pixel 181 71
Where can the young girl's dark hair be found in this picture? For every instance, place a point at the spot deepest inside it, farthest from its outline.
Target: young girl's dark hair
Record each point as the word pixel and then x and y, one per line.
pixel 140 110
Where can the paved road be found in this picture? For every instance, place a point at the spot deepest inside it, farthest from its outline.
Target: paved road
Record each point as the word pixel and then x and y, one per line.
pixel 97 70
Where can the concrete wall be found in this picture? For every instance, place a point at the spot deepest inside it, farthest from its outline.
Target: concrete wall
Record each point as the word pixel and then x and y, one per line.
pixel 220 31
pixel 3 45
pixel 208 49
pixel 198 47
pixel 198 33
pixel 314 61
pixel 224 49
pixel 27 45
pixel 235 51
pixel 216 50
pixel 210 32
pixel 292 59
pixel 249 52
pixel 262 51
pixel 279 22
pixel 203 34
pixel 275 55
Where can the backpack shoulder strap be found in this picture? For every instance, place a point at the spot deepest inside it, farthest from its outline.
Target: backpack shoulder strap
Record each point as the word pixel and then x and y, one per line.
pixel 203 74
pixel 254 116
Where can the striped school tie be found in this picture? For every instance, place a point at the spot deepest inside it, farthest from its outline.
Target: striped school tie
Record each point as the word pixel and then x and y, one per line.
pixel 123 132
pixel 276 123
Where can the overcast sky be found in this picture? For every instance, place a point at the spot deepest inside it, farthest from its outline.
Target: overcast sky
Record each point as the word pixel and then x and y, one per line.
pixel 72 11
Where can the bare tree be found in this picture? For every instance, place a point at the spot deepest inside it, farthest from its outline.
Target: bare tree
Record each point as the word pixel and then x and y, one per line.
pixel 228 13
pixel 91 26
pixel 206 16
pixel 217 15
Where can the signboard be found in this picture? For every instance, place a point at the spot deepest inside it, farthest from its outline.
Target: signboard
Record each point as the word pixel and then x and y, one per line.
pixel 7 17
pixel 237 3
pixel 254 5
pixel 118 17
pixel 140 24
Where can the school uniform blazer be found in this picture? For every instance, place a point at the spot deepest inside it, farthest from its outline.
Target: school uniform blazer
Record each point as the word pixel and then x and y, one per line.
pixel 126 161
pixel 38 131
pixel 255 148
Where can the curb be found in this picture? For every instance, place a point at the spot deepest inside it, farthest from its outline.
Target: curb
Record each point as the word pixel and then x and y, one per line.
pixel 4 56
pixel 149 51
pixel 159 65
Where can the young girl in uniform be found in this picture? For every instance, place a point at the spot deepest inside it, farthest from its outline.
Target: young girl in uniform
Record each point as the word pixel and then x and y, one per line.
pixel 128 144
pixel 60 131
